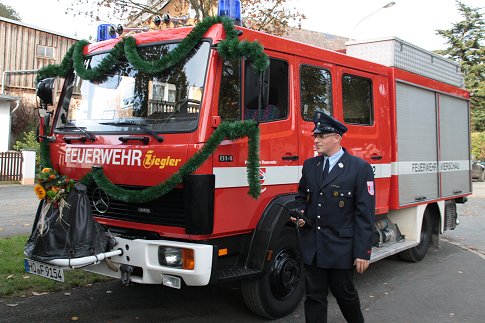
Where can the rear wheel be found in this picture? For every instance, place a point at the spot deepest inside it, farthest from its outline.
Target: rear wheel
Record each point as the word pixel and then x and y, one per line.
pixel 279 290
pixel 417 253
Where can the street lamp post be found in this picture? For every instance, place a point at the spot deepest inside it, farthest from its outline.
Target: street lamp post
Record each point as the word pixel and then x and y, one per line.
pixel 390 4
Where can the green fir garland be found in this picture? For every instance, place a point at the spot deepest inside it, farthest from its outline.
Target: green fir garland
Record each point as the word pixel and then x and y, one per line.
pixel 45 159
pixel 229 48
pixel 226 130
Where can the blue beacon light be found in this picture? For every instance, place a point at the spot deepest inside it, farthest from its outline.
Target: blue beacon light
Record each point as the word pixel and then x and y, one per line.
pixel 230 9
pixel 106 31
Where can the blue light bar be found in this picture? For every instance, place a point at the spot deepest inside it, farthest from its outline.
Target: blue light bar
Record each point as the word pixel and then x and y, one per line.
pixel 230 9
pixel 104 32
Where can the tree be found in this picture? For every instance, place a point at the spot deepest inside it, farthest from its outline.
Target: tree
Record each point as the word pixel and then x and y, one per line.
pixel 9 12
pixel 478 145
pixel 28 140
pixel 466 46
pixel 272 16
pixel 24 119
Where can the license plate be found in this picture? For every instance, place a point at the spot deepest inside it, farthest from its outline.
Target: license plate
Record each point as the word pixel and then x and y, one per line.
pixel 44 270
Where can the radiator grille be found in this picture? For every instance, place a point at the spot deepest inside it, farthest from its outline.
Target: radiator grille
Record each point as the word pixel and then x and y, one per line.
pixel 167 210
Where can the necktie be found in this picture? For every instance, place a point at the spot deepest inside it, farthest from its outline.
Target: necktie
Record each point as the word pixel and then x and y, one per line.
pixel 326 168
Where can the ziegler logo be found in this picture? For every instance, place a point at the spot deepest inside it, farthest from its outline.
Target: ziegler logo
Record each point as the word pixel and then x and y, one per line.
pixel 152 160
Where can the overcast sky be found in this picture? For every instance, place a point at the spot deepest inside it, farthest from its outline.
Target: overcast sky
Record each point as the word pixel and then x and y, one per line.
pixel 414 21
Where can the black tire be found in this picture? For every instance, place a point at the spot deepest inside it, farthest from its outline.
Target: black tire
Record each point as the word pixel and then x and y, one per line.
pixel 417 253
pixel 279 290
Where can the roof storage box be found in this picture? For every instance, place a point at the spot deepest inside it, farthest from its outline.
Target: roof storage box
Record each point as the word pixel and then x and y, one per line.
pixel 403 55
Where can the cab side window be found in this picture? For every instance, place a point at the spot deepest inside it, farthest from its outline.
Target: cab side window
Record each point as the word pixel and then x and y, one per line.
pixel 230 91
pixel 357 100
pixel 275 80
pixel 315 91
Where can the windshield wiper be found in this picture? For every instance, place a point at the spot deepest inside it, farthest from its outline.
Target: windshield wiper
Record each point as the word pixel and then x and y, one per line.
pixel 89 135
pixel 138 125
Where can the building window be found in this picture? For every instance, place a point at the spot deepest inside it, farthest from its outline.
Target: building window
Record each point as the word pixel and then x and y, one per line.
pixel 45 51
pixel 357 100
pixel 316 91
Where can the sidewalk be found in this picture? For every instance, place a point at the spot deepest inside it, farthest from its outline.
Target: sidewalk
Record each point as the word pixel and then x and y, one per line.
pixel 18 205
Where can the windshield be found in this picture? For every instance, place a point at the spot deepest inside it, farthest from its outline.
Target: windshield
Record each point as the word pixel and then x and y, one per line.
pixel 165 102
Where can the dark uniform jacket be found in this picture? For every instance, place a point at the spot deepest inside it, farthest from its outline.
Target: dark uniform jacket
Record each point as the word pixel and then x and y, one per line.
pixel 342 209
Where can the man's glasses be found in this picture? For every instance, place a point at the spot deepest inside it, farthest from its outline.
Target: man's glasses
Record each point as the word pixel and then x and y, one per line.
pixel 323 135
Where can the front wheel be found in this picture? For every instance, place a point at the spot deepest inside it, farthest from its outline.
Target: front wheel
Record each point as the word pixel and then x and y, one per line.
pixel 417 253
pixel 279 290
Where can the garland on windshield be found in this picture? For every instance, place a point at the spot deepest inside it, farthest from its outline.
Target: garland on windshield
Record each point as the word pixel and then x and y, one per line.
pixel 226 130
pixel 125 49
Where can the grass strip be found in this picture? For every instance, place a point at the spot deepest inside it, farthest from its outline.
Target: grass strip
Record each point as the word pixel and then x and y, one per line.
pixel 14 281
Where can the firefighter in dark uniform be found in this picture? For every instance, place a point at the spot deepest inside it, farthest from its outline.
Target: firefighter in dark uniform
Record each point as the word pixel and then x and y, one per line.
pixel 336 195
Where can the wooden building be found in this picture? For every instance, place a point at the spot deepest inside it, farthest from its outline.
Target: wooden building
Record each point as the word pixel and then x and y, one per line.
pixel 25 48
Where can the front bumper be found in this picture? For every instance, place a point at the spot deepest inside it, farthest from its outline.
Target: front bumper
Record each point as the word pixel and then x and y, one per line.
pixel 143 256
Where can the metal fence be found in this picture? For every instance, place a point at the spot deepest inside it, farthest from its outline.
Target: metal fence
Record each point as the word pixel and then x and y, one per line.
pixel 11 166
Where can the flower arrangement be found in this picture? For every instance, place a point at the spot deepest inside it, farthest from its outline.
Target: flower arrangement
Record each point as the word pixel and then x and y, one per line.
pixel 52 186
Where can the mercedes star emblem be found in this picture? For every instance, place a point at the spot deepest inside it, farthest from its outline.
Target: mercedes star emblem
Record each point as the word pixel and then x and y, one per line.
pixel 100 200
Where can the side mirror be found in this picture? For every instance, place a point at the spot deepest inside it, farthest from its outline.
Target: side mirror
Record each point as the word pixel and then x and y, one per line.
pixel 45 92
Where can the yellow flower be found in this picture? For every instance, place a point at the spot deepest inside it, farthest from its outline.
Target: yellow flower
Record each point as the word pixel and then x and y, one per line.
pixel 39 191
pixel 46 170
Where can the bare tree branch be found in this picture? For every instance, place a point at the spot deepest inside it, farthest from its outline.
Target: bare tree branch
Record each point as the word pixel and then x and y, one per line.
pixel 272 16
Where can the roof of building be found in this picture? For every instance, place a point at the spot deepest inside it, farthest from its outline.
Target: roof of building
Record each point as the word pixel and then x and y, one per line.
pixel 37 28
pixel 315 38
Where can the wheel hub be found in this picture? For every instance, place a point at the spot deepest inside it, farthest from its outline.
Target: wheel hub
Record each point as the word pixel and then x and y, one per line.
pixel 284 274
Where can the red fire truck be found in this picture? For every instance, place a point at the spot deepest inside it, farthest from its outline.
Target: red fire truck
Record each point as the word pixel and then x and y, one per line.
pixel 407 115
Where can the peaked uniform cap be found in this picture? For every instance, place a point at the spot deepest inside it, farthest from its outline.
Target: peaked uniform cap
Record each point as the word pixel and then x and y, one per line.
pixel 326 124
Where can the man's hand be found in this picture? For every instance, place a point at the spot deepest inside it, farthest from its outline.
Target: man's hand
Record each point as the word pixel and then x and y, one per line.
pixel 361 265
pixel 295 217
pixel 300 223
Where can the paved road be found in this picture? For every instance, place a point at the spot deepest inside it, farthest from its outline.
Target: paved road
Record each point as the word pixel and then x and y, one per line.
pixel 447 286
pixel 470 232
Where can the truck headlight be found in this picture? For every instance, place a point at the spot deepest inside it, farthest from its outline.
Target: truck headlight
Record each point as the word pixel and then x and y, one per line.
pixel 176 257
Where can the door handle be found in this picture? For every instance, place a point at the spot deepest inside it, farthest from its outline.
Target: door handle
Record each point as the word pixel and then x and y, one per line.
pixel 289 157
pixel 376 157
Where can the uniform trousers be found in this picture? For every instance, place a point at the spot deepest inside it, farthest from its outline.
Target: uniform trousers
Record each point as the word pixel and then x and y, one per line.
pixel 339 281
